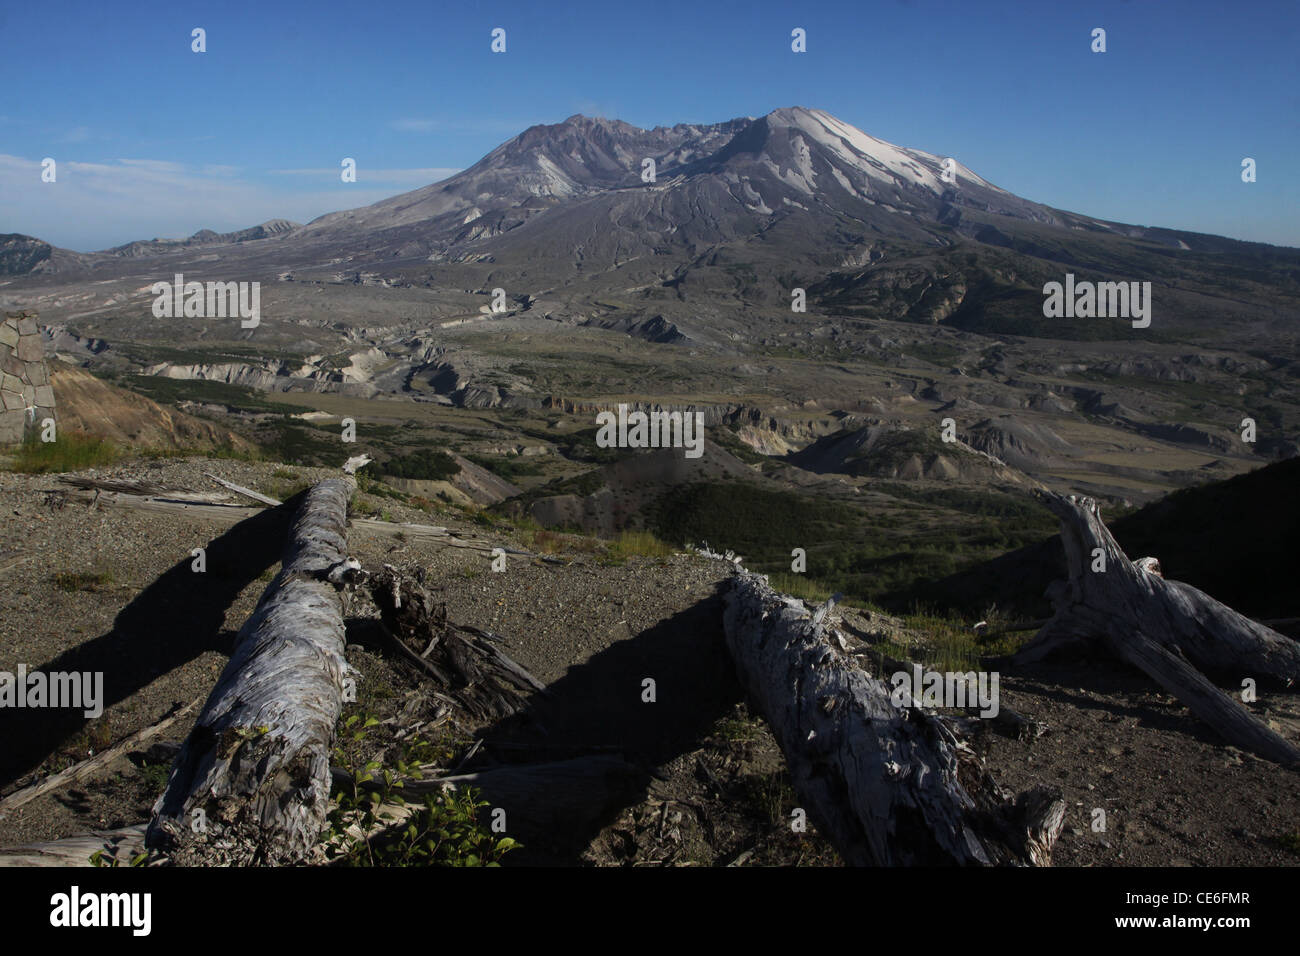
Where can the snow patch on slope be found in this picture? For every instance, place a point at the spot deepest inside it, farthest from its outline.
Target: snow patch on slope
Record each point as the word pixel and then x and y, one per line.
pixel 552 181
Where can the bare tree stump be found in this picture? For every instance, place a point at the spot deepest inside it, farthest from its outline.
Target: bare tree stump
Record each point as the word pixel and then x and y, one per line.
pixel 887 786
pixel 1165 628
pixel 251 784
pixel 464 660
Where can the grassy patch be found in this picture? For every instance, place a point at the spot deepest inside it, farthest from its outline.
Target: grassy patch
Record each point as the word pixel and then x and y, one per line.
pixel 72 581
pixel 639 544
pixel 798 585
pixel 71 451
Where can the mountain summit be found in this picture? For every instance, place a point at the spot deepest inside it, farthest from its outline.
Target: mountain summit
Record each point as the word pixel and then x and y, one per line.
pixel 711 183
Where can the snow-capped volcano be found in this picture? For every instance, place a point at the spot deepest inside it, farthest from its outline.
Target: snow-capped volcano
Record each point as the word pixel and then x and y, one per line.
pixel 798 189
pixel 576 191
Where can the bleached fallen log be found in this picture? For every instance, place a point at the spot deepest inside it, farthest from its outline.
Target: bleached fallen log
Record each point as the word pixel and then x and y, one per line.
pixel 221 513
pixel 1165 628
pixel 887 786
pixel 251 784
pixel 93 764
pixel 141 489
pixel 246 492
pixel 118 847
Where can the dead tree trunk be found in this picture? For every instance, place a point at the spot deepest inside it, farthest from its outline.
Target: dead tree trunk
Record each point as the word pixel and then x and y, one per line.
pixel 1167 629
pixel 252 782
pixel 116 848
pixel 887 786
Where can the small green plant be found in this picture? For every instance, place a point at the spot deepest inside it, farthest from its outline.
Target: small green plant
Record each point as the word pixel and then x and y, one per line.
pixel 100 858
pixel 155 774
pixel 768 794
pixel 442 829
pixel 734 729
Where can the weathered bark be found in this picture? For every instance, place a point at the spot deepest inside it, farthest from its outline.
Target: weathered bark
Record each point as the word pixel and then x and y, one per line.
pixel 887 786
pixel 1165 628
pixel 257 762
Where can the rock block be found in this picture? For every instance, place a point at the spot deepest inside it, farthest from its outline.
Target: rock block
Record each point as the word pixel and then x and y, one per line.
pixel 30 349
pixel 11 427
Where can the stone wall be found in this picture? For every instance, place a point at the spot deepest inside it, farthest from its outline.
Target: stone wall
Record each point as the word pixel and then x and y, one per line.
pixel 26 396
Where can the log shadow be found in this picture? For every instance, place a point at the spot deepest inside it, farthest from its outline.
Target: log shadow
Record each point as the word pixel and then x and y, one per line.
pixel 598 707
pixel 172 621
pixel 1060 681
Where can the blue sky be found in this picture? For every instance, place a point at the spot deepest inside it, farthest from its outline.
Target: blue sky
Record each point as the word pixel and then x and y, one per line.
pixel 152 139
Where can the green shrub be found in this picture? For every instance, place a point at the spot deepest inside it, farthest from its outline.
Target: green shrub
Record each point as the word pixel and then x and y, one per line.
pixel 507 468
pixel 427 464
pixel 443 831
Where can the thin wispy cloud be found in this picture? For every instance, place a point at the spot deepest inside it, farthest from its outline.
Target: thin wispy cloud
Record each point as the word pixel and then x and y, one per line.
pixel 460 127
pixel 404 177
pixel 415 125
pixel 95 205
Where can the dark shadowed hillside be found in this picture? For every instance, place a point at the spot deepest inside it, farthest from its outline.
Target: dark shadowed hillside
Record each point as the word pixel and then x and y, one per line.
pixel 1233 539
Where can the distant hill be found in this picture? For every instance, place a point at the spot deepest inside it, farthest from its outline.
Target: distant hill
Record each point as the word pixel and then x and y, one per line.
pixel 1235 540
pixel 91 405
pixel 26 256
pixel 267 230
